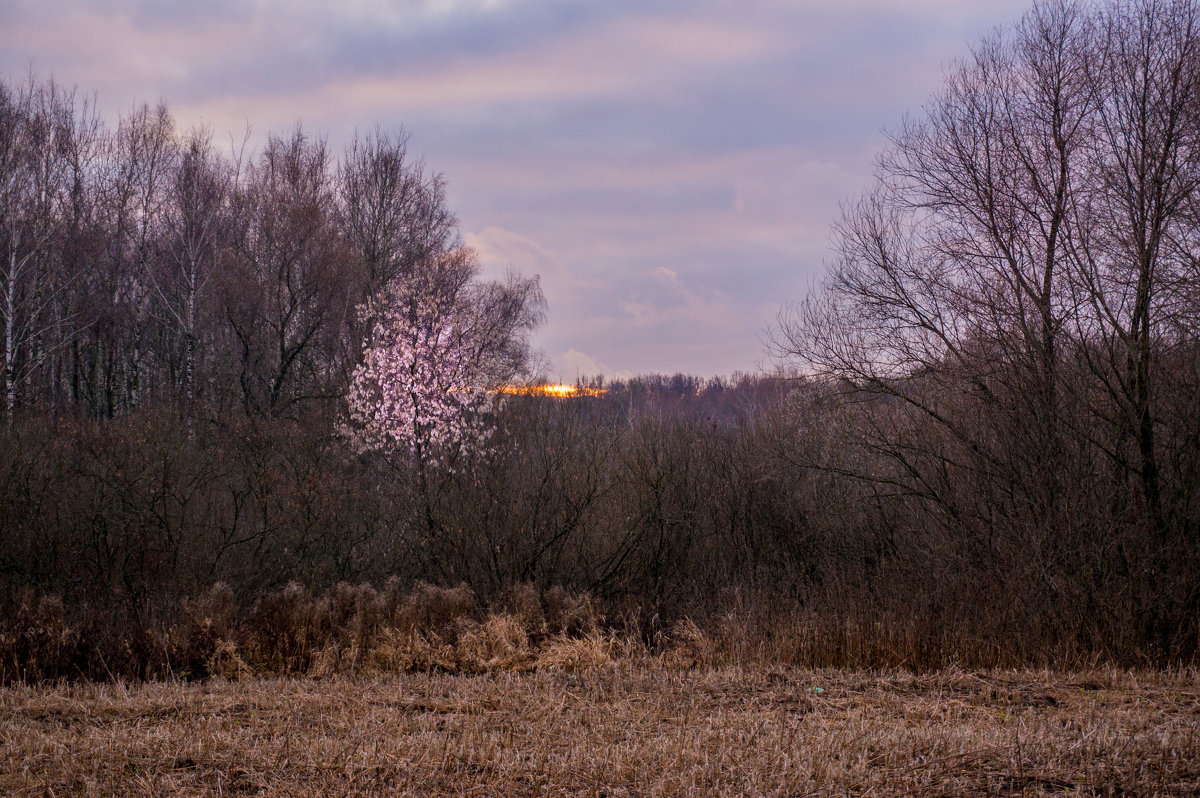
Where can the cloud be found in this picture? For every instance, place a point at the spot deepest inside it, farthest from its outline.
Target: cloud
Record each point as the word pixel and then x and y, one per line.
pixel 622 58
pixel 501 251
pixel 670 168
pixel 575 365
pixel 677 265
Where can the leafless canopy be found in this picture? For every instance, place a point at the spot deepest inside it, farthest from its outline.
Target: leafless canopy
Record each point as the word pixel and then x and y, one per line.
pixel 1014 299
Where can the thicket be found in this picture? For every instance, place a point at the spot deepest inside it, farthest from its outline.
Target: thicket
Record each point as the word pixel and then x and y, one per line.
pixel 988 452
pixel 652 506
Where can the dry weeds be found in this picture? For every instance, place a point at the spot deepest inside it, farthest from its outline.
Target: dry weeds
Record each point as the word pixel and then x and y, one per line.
pixel 618 728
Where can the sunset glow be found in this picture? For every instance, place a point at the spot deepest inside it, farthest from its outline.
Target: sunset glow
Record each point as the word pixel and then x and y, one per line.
pixel 559 391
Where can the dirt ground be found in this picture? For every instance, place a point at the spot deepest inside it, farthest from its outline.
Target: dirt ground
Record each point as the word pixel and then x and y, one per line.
pixel 623 730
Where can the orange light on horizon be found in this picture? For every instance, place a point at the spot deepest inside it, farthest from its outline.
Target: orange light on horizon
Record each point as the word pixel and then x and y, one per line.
pixel 559 391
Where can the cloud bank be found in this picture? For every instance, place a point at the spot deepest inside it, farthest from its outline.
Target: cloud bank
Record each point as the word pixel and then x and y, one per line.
pixel 669 169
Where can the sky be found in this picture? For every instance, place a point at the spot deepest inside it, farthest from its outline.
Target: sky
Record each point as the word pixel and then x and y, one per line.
pixel 670 169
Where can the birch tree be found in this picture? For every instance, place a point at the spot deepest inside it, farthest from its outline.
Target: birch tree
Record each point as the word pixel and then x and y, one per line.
pixel 37 123
pixel 195 217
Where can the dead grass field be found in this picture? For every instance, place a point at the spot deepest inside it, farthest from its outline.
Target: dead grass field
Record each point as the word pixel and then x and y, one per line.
pixel 636 729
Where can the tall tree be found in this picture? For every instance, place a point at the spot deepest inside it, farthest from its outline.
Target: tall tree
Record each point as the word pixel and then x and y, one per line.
pixel 289 291
pixel 439 342
pixel 196 227
pixel 1135 241
pixel 37 131
pixel 119 357
pixel 392 212
pixel 950 270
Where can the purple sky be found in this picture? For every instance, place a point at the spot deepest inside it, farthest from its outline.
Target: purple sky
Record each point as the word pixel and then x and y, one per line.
pixel 670 169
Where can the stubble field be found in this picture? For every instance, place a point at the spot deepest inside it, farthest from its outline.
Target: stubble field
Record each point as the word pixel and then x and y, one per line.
pixel 625 730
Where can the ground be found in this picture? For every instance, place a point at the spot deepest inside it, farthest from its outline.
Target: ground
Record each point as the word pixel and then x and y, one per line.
pixel 619 730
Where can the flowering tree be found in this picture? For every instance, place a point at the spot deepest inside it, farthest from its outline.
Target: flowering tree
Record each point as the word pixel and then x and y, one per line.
pixel 416 389
pixel 438 341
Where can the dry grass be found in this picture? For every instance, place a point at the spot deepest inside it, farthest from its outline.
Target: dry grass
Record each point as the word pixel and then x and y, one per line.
pixel 614 727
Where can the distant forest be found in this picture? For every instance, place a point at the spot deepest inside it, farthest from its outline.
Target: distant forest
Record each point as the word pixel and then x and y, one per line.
pixel 277 370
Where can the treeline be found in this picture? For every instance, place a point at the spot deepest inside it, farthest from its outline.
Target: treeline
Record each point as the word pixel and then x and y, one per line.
pixel 727 503
pixel 144 267
pixel 650 499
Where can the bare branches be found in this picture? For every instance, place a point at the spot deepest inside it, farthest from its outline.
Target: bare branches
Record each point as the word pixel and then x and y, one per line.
pixel 1028 250
pixel 40 128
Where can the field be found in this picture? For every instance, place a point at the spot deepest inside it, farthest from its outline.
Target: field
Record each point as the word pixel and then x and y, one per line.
pixel 623 729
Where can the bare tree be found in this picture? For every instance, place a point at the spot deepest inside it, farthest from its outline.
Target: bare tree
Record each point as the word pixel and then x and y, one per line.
pixel 196 228
pixel 141 156
pixel 288 293
pixel 38 129
pixel 392 212
pixel 950 274
pixel 1134 247
pixel 1011 322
